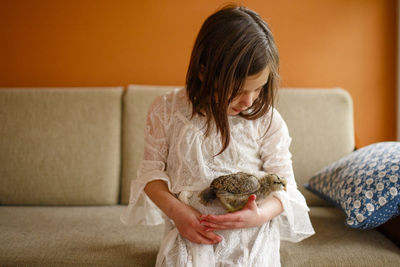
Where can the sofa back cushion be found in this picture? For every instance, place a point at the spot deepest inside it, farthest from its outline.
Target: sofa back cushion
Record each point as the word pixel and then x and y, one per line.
pixel 320 122
pixel 60 146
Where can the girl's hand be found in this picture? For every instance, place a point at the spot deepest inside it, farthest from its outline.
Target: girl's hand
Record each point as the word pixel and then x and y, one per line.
pixel 249 216
pixel 187 221
pixel 186 218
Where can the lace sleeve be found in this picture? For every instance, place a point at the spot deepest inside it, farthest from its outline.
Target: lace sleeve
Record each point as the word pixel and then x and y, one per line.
pixel 141 210
pixel 294 222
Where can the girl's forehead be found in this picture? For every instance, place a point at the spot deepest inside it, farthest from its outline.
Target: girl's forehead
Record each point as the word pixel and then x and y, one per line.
pixel 257 80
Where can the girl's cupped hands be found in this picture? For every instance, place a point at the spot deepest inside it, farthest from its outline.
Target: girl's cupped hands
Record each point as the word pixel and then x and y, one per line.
pixel 250 215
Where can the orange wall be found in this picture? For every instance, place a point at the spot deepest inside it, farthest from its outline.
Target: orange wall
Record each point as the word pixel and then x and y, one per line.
pixel 330 43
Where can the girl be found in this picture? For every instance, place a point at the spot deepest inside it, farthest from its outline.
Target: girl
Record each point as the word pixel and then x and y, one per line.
pixel 221 123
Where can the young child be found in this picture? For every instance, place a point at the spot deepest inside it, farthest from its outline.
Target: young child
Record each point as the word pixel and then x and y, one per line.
pixel 222 122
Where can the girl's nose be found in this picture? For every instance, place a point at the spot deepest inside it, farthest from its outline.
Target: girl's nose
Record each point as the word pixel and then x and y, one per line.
pixel 247 100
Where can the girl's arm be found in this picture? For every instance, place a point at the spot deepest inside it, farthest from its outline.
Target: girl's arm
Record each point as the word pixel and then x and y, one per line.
pixel 250 216
pixel 186 218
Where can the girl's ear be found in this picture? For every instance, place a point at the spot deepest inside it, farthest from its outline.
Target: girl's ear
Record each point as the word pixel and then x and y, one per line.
pixel 201 73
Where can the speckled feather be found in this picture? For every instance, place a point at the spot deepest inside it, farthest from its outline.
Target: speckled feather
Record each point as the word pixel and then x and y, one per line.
pixel 234 190
pixel 237 183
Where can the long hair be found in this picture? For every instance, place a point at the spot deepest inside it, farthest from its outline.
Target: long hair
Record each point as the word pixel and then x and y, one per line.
pixel 232 44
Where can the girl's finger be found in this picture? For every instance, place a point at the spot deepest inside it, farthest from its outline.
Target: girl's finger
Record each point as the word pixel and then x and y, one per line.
pixel 214 238
pixel 251 202
pixel 200 239
pixel 229 217
pixel 207 231
pixel 222 226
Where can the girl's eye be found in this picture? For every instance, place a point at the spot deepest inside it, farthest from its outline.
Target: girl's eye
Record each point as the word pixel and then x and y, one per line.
pixel 241 93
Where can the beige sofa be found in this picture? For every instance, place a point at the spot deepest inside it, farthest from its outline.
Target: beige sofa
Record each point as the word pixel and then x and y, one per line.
pixel 67 156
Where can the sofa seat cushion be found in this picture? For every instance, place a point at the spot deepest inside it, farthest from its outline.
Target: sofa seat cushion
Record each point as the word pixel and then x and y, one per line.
pixel 94 236
pixel 335 244
pixel 74 236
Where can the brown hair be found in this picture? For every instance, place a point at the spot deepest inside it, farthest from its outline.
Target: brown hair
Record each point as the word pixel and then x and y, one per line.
pixel 232 44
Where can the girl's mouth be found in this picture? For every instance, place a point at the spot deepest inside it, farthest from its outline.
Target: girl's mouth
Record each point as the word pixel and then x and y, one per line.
pixel 238 109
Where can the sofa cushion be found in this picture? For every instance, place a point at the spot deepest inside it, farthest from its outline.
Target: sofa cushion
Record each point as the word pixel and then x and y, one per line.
pixel 335 244
pixel 320 122
pixel 60 146
pixel 93 236
pixel 74 236
pixel 364 184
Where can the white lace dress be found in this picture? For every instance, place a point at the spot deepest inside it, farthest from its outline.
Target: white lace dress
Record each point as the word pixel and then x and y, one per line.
pixel 177 152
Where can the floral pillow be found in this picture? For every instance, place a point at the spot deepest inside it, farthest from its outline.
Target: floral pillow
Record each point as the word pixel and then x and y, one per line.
pixel 364 184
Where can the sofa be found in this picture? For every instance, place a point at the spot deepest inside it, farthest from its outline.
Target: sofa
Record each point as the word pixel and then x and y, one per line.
pixel 67 156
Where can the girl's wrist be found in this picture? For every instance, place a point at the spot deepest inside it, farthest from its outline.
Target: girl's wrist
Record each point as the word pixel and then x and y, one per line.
pixel 270 208
pixel 175 209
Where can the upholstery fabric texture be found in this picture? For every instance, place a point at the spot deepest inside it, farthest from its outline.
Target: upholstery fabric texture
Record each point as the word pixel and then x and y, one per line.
pixel 314 117
pixel 364 184
pixel 74 236
pixel 93 236
pixel 60 146
pixel 335 244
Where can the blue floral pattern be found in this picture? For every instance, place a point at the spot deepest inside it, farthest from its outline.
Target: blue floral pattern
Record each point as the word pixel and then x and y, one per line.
pixel 365 184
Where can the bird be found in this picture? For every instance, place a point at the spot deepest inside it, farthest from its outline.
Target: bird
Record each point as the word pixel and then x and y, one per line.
pixel 233 190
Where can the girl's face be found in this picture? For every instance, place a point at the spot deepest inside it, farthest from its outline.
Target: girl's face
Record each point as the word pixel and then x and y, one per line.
pixel 249 93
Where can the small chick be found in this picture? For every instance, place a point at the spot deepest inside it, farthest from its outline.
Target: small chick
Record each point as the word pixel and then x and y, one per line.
pixel 233 190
